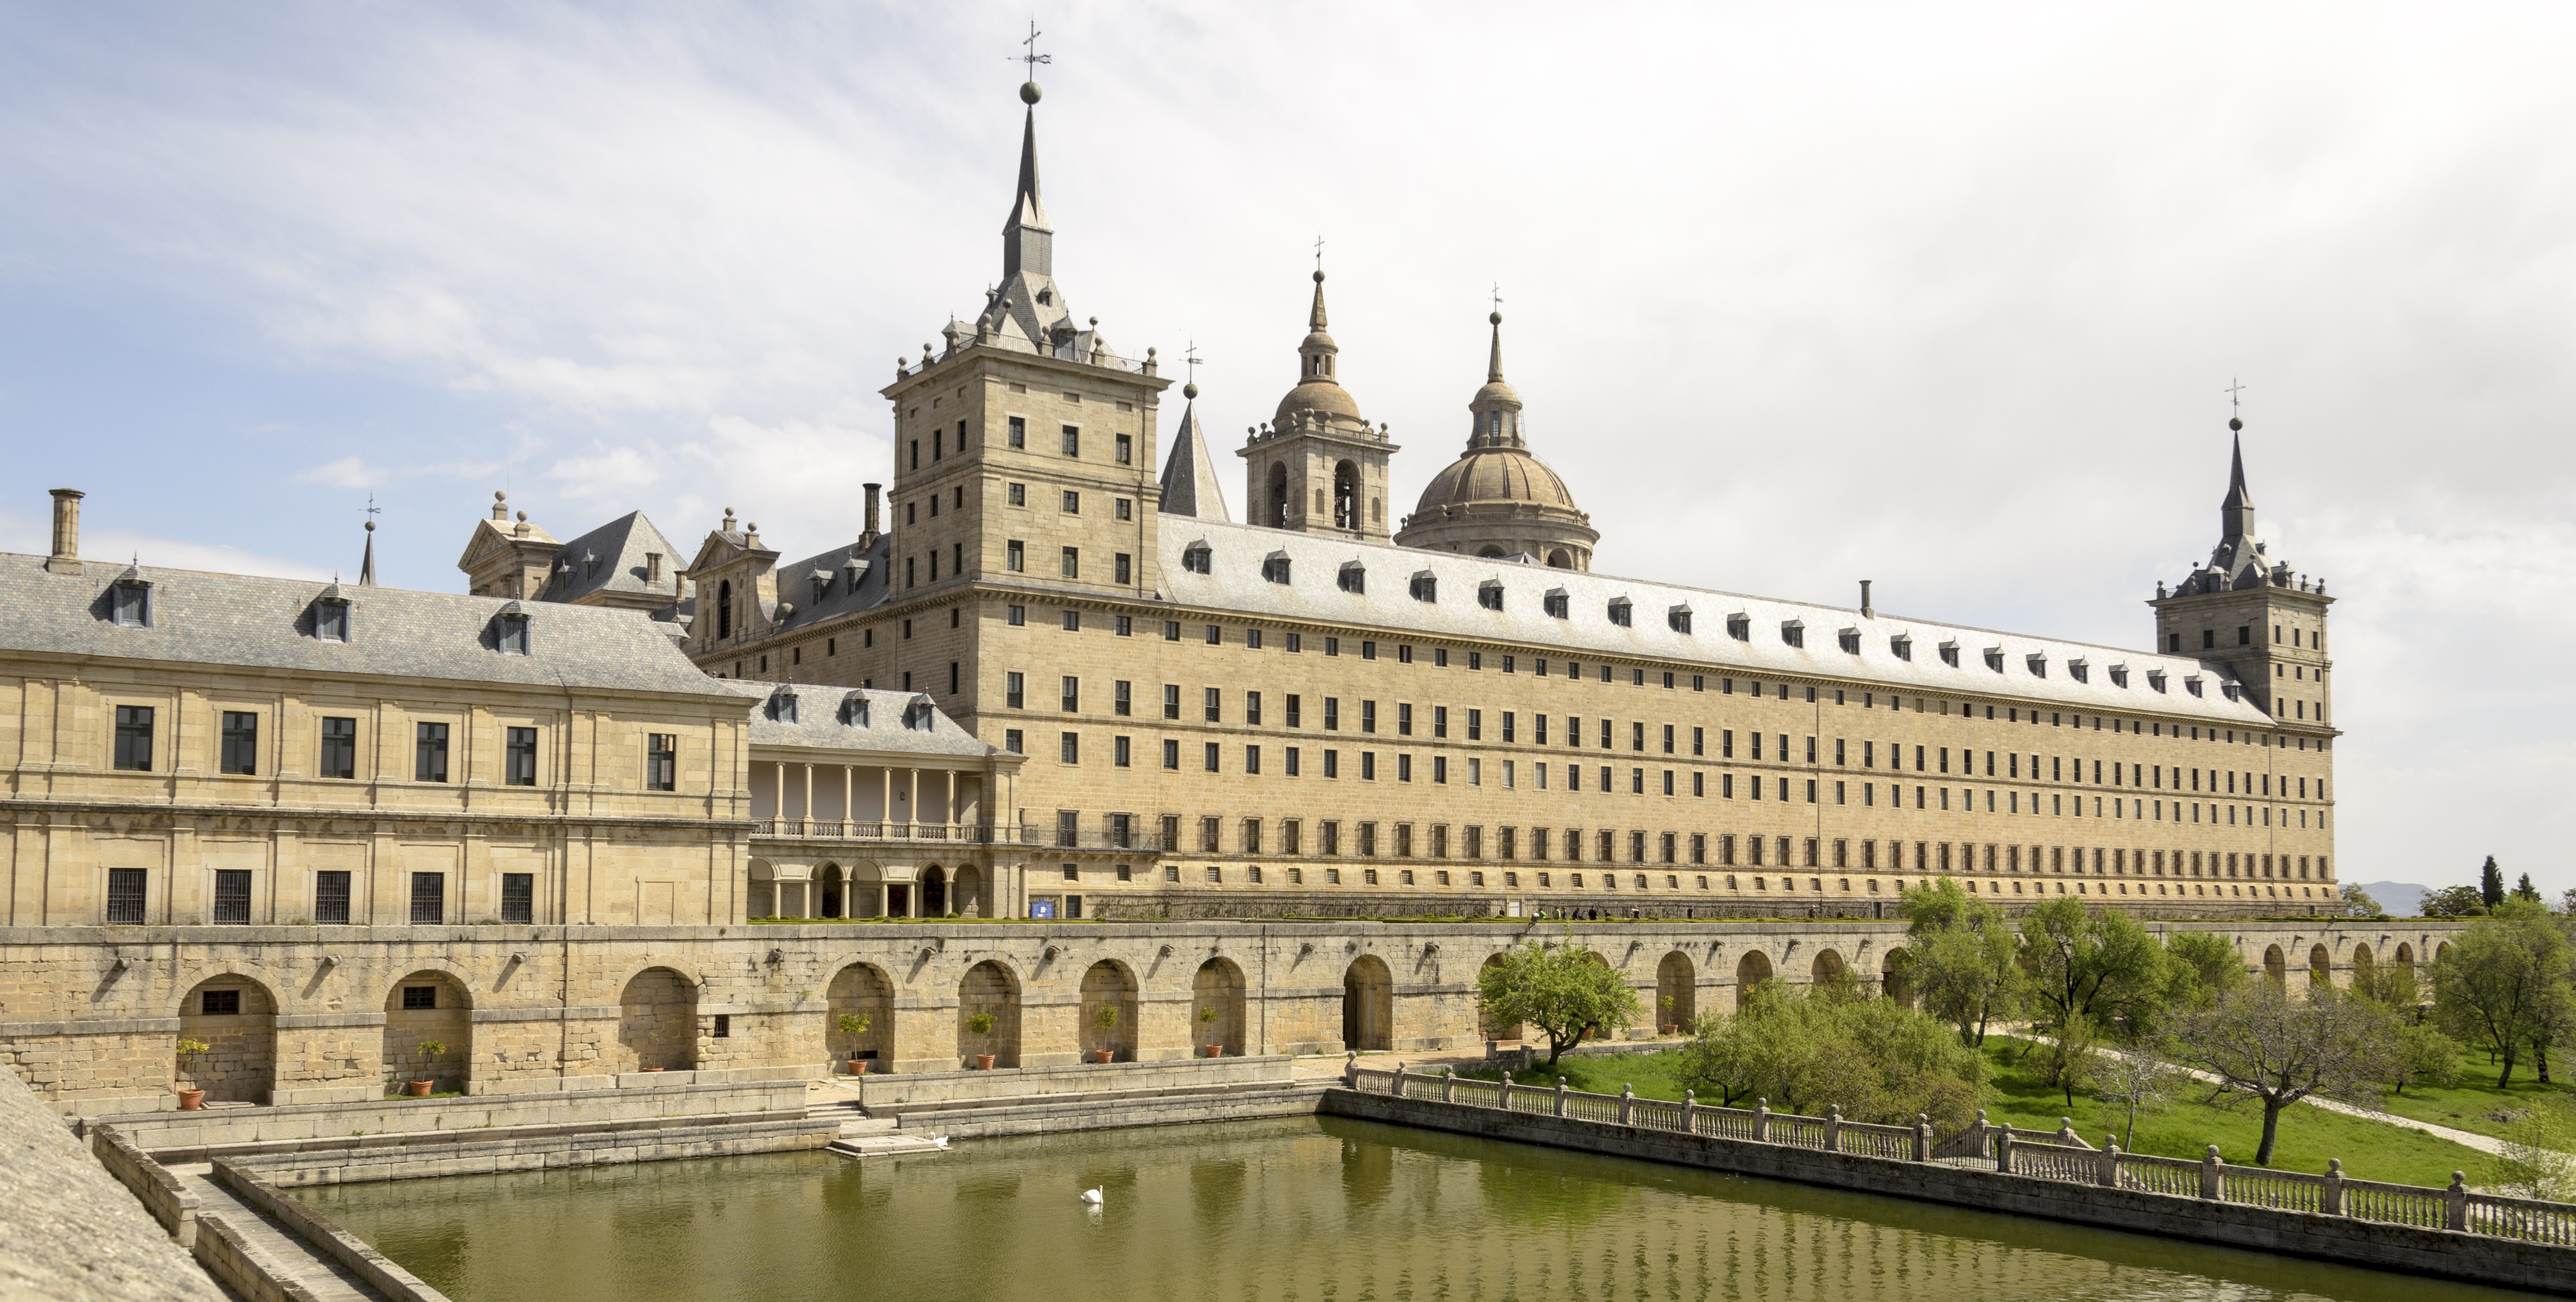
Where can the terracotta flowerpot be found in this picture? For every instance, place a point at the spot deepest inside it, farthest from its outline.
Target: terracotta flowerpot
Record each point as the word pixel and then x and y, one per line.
pixel 984 1062
pixel 858 1066
pixel 648 1069
pixel 1671 1029
pixel 420 1088
pixel 191 1100
pixel 1214 1050
pixel 1104 1055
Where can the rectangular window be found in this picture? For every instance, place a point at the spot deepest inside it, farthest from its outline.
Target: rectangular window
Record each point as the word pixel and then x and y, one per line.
pixel 1296 714
pixel 1119 752
pixel 1212 705
pixel 519 767
pixel 339 748
pixel 1122 701
pixel 1252 759
pixel 1069 748
pixel 662 762
pixel 1015 558
pixel 1252 708
pixel 1171 700
pixel 429 752
pixel 241 742
pixel 519 897
pixel 1214 760
pixel 1073 562
pixel 232 895
pixel 1015 691
pixel 134 738
pixel 1332 764
pixel 1172 755
pixel 1126 567
pixel 1072 688
pixel 331 897
pixel 1073 440
pixel 428 899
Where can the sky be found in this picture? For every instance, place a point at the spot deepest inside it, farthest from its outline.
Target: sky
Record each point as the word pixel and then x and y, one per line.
pixel 1947 297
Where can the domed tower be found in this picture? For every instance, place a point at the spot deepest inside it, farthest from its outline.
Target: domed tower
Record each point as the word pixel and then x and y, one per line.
pixel 1498 500
pixel 1317 467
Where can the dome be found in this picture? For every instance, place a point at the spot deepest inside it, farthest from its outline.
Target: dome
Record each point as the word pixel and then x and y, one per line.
pixel 1495 477
pixel 1495 392
pixel 1318 396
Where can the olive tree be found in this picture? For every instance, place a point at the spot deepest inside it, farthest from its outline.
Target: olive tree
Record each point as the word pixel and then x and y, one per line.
pixel 1566 992
pixel 2502 982
pixel 2264 1044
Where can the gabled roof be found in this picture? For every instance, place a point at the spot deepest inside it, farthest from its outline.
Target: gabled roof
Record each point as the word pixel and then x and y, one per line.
pixel 1190 485
pixel 848 590
pixel 610 558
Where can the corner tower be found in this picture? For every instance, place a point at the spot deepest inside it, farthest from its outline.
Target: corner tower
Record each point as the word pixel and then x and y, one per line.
pixel 1317 467
pixel 2247 611
pixel 1497 499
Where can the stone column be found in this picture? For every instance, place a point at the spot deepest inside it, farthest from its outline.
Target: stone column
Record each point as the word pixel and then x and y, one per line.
pixel 951 810
pixel 912 796
pixel 808 811
pixel 849 790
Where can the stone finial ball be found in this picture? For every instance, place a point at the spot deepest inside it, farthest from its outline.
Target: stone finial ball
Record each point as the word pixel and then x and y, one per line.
pixel 1029 92
pixel 2235 423
pixel 371 526
pixel 1494 318
pixel 1189 390
pixel 1319 275
pixel 500 495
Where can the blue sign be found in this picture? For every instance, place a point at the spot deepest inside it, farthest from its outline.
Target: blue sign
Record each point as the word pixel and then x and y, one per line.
pixel 1041 908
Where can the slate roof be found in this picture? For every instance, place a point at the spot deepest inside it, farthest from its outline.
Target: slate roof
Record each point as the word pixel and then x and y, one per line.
pixel 611 558
pixel 265 623
pixel 822 586
pixel 1236 586
pixel 826 719
pixel 1190 484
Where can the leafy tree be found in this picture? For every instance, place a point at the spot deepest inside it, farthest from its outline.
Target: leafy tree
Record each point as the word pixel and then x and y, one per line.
pixel 2454 902
pixel 1960 958
pixel 1564 991
pixel 2358 904
pixel 2490 884
pixel 2069 1059
pixel 2524 890
pixel 2136 1083
pixel 2501 981
pixel 2199 967
pixel 2097 964
pixel 1811 1049
pixel 2424 1056
pixel 2390 985
pixel 2539 1157
pixel 2263 1044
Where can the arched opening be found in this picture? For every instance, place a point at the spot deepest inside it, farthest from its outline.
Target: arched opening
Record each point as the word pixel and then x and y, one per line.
pixel 1489 552
pixel 2320 967
pixel 1675 994
pixel 1368 1005
pixel 934 892
pixel 967 894
pixel 657 1022
pixel 1514 1031
pixel 1560 559
pixel 236 1019
pixel 724 608
pixel 1218 986
pixel 423 1010
pixel 1895 977
pixel 989 995
pixel 1277 515
pixel 829 886
pixel 762 900
pixel 1828 969
pixel 863 992
pixel 2441 951
pixel 1346 496
pixel 2406 960
pixel 2361 963
pixel 1751 970
pixel 1109 1011
pixel 2275 966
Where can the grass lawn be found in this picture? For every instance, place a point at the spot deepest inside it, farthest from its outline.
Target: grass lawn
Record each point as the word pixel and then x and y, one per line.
pixel 2472 1104
pixel 2370 1150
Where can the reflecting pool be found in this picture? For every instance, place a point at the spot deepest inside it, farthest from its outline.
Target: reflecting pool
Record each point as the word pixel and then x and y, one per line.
pixel 1308 1208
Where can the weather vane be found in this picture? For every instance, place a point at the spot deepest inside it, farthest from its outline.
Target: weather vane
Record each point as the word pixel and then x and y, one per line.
pixel 372 508
pixel 1191 355
pixel 1032 58
pixel 1319 252
pixel 1498 296
pixel 2234 406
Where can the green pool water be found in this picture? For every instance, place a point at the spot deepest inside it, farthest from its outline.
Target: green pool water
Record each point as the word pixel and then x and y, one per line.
pixel 1309 1208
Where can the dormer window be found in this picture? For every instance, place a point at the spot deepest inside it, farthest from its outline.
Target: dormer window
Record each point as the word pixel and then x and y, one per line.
pixel 822 585
pixel 1902 646
pixel 590 565
pixel 1793 632
pixel 1995 658
pixel 920 716
pixel 782 705
pixel 2156 679
pixel 854 710
pixel 1678 619
pixel 1353 578
pixel 1950 654
pixel 1274 567
pixel 510 631
pixel 1619 612
pixel 1489 595
pixel 1197 559
pixel 2079 671
pixel 1426 586
pixel 1740 626
pixel 2192 684
pixel 2119 675
pixel 129 601
pixel 1850 639
pixel 2038 665
pixel 2232 690
pixel 331 619
pixel 1556 603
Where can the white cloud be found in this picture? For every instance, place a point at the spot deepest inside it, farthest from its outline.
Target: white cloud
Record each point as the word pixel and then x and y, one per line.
pixel 347 472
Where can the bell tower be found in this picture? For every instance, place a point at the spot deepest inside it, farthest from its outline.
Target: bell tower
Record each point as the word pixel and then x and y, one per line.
pixel 1318 467
pixel 2247 611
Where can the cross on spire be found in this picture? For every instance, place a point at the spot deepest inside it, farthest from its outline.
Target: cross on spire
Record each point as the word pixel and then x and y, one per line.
pixel 1498 296
pixel 1032 58
pixel 1319 252
pixel 2234 388
pixel 1191 356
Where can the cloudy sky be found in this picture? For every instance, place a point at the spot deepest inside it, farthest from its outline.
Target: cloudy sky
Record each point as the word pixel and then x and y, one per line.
pixel 1941 296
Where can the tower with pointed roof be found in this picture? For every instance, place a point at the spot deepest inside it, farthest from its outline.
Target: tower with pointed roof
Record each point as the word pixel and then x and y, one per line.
pixel 2250 614
pixel 1318 466
pixel 1498 499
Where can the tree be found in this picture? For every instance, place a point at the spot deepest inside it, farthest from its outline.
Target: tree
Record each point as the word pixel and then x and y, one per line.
pixel 2425 1056
pixel 2199 967
pixel 2098 964
pixel 2067 1060
pixel 2266 1045
pixel 1806 1050
pixel 2537 1161
pixel 2500 980
pixel 2390 985
pixel 2137 1083
pixel 1960 958
pixel 1565 992
pixel 2490 884
pixel 2358 904
pixel 2454 902
pixel 2525 891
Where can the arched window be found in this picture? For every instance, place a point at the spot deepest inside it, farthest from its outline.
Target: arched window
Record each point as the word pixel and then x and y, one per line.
pixel 1278 516
pixel 1346 496
pixel 724 609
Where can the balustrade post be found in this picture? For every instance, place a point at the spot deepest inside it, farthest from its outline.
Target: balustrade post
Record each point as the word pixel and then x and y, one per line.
pixel 2455 1212
pixel 1560 1096
pixel 1449 1086
pixel 2066 1133
pixel 1922 1136
pixel 1395 1087
pixel 1690 1112
pixel 1833 1127
pixel 1505 1103
pixel 1351 1070
pixel 2003 1151
pixel 1627 1105
pixel 1978 1129
pixel 2110 1162
pixel 2330 1196
pixel 1762 1120
pixel 2209 1181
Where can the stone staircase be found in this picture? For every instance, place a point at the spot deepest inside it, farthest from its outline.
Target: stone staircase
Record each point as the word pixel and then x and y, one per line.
pixel 864 1136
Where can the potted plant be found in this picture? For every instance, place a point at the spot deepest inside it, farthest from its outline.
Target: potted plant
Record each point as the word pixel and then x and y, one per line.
pixel 429 1049
pixel 190 1051
pixel 981 1024
pixel 1666 1004
pixel 1207 1020
pixel 1105 1020
pixel 854 1025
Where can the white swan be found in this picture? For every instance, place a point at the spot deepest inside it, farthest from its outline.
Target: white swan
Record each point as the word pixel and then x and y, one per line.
pixel 1091 1196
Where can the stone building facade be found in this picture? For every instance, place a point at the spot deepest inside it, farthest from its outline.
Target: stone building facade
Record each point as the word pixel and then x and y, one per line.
pixel 1303 714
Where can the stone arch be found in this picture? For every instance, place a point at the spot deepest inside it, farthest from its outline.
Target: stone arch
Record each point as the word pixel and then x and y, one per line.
pixel 2276 966
pixel 2406 959
pixel 1751 970
pixel 1828 968
pixel 1108 985
pixel 1676 992
pixel 989 988
pixel 1368 1004
pixel 1896 977
pixel 429 1007
pixel 966 892
pixel 1218 984
pixel 761 901
pixel 2361 965
pixel 1489 552
pixel 1346 495
pixel 1560 559
pixel 235 1017
pixel 1515 1030
pixel 862 990
pixel 1276 516
pixel 2320 967
pixel 2441 951
pixel 831 891
pixel 934 892
pixel 657 1022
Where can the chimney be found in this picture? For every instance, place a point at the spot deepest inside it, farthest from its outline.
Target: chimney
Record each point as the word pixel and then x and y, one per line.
pixel 868 535
pixel 1865 611
pixel 652 569
pixel 66 557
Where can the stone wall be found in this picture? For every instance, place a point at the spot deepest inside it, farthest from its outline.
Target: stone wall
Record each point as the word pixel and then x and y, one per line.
pixel 74 1232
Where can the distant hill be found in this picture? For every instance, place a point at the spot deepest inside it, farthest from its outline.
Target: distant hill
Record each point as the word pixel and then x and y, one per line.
pixel 2400 899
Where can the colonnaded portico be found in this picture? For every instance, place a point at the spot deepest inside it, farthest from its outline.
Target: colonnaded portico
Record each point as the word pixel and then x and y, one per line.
pixel 304 1014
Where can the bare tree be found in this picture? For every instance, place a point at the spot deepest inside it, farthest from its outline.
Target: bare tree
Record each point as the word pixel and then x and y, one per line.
pixel 2137 1083
pixel 2263 1044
